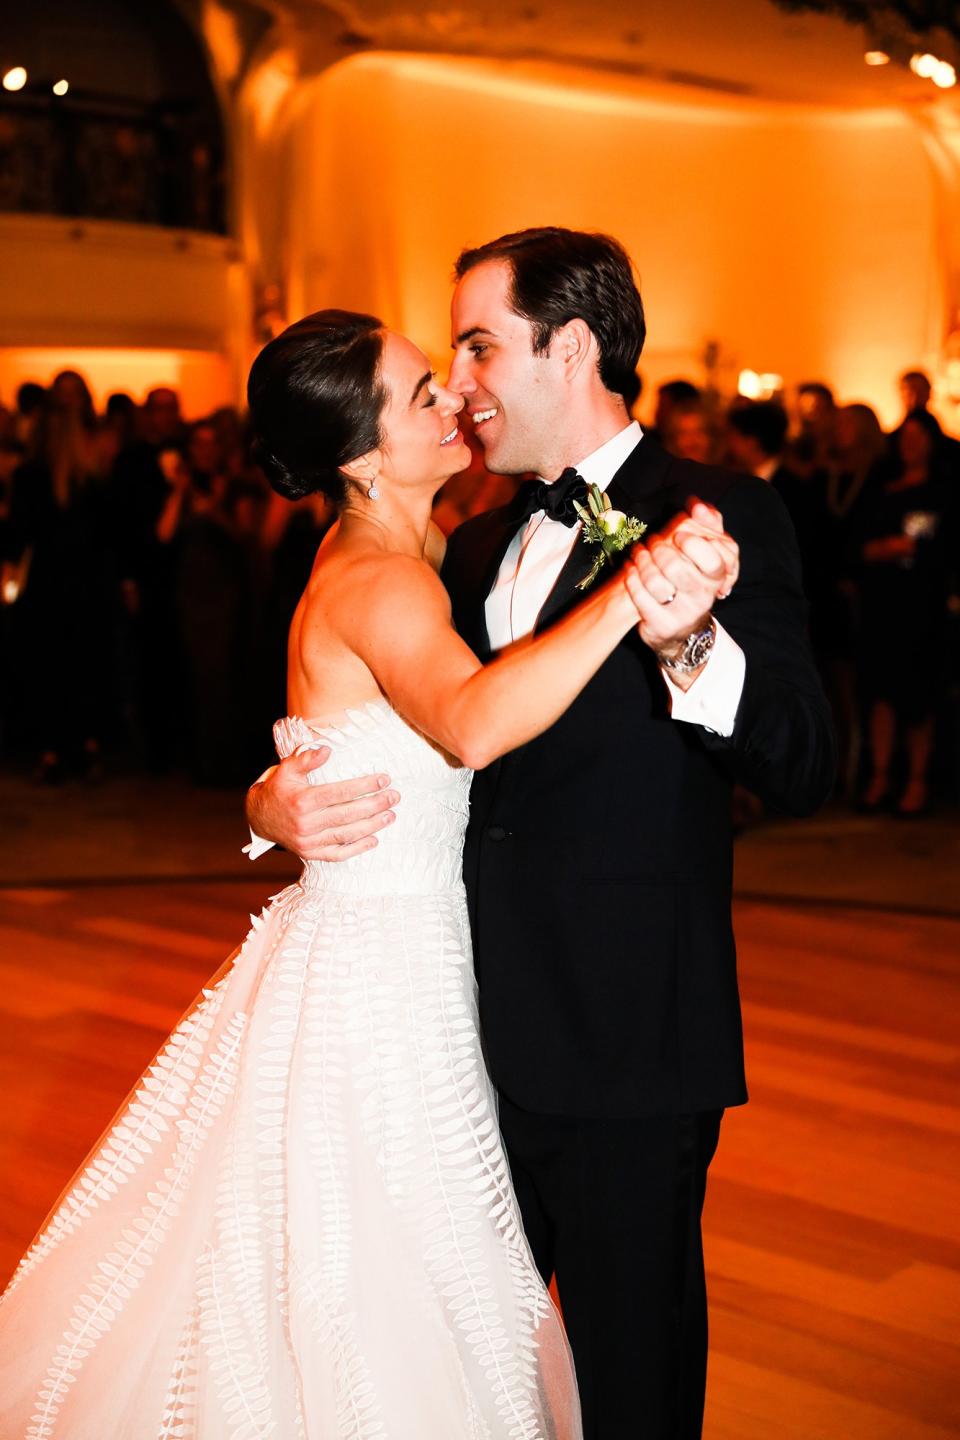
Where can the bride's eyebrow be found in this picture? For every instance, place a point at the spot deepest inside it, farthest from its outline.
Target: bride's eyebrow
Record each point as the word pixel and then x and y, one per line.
pixel 424 380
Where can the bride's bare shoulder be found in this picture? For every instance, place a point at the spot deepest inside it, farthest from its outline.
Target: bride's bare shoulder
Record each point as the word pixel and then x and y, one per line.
pixel 370 582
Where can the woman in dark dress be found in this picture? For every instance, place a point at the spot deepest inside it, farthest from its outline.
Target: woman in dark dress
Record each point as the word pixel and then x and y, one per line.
pixel 904 566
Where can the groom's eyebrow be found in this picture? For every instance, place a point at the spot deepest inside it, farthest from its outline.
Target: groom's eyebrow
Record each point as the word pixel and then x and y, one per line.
pixel 424 380
pixel 469 334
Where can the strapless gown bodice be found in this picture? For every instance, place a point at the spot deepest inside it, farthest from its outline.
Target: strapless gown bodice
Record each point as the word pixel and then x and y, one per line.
pixel 421 853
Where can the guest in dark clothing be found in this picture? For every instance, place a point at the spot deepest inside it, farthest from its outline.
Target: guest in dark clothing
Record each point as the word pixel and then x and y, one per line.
pixel 756 443
pixel 837 497
pixel 757 439
pixel 818 416
pixel 904 566
pixel 61 525
pixel 293 534
pixel 141 494
pixel 211 604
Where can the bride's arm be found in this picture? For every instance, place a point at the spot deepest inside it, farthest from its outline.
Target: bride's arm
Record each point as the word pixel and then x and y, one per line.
pixel 397 619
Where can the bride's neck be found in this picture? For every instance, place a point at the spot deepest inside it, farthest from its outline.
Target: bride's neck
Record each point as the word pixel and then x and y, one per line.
pixel 400 528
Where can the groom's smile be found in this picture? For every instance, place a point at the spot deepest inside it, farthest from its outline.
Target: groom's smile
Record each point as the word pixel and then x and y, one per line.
pixel 506 386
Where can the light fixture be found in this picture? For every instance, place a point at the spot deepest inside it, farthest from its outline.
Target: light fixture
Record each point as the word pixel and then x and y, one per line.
pixel 15 79
pixel 877 57
pixel 945 75
pixel 924 65
pixel 61 87
pixel 753 386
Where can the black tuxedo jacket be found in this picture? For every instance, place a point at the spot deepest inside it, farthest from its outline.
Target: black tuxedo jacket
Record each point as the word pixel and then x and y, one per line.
pixel 598 859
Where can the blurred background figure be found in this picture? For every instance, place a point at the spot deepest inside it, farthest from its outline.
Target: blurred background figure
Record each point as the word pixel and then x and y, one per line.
pixel 756 441
pixel 30 401
pixel 904 565
pixel 144 518
pixel 61 529
pixel 817 415
pixel 669 394
pixel 837 613
pixel 685 431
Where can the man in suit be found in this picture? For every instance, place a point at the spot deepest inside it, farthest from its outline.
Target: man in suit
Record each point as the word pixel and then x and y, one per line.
pixel 598 860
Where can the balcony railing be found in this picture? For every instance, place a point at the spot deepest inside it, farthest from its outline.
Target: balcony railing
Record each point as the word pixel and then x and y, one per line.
pixel 108 160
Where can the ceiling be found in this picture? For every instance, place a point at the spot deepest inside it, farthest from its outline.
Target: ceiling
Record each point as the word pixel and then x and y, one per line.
pixel 724 47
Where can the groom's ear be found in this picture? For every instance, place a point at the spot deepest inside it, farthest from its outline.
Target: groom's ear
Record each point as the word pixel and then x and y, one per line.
pixel 575 345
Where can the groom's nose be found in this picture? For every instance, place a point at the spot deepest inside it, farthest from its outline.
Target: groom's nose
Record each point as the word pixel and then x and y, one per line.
pixel 460 380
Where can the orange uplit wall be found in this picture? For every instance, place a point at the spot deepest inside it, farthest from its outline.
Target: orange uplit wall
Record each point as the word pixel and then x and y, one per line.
pixel 204 380
pixel 802 241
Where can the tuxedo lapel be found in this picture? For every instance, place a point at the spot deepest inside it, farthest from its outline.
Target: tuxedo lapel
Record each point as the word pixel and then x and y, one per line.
pixel 638 490
pixel 471 581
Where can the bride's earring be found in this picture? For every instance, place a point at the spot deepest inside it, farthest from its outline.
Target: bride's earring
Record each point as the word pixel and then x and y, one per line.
pixel 373 493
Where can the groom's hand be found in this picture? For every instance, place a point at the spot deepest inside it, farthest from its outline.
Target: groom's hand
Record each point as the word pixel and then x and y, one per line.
pixel 319 822
pixel 677 576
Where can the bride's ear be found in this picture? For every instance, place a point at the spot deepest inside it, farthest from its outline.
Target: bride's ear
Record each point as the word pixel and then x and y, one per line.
pixel 364 470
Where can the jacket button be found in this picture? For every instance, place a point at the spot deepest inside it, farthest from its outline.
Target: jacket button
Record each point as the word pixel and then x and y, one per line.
pixel 496 832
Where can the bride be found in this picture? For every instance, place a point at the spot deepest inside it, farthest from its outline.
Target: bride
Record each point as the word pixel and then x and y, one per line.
pixel 300 1223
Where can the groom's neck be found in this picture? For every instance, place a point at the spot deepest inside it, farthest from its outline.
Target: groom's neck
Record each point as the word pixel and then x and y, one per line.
pixel 589 427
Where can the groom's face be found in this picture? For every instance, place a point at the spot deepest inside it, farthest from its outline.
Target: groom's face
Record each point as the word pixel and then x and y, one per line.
pixel 511 394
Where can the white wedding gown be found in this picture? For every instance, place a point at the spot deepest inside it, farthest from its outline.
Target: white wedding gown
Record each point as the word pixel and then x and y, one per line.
pixel 301 1224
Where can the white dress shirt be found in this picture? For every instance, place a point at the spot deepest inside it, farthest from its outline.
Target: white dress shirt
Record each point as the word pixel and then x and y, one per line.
pixel 532 564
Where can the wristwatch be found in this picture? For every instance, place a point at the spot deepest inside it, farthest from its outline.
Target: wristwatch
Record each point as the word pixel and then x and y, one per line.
pixel 695 651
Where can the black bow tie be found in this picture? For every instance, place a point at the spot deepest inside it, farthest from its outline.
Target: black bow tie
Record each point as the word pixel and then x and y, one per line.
pixel 556 500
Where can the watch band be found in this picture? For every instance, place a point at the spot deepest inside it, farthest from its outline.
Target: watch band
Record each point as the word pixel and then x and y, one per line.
pixel 695 651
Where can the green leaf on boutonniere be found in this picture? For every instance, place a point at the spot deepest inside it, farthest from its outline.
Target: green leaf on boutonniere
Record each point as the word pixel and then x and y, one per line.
pixel 607 528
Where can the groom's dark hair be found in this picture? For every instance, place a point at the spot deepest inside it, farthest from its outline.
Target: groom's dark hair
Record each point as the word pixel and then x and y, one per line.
pixel 562 275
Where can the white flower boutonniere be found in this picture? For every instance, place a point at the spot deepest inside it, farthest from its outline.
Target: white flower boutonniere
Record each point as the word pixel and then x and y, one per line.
pixel 610 529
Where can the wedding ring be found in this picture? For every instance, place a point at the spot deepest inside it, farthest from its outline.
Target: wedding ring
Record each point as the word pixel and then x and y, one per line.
pixel 670 599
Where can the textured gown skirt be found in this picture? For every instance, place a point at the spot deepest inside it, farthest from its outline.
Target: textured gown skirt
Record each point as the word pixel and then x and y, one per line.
pixel 301 1224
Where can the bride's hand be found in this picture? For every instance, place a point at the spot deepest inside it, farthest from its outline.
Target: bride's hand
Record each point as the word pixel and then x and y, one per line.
pixel 333 821
pixel 675 578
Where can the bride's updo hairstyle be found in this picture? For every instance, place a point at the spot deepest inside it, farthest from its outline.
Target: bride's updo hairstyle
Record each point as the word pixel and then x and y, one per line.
pixel 316 396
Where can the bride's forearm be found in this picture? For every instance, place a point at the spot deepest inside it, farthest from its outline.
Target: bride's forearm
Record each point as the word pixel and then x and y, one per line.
pixel 521 694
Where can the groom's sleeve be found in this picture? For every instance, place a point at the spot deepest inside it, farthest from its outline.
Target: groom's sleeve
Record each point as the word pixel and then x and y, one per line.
pixel 781 745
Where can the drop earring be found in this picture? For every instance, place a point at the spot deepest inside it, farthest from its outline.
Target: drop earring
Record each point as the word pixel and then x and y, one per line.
pixel 373 493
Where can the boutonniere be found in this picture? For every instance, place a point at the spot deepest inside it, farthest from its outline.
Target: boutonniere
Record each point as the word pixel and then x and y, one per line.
pixel 610 529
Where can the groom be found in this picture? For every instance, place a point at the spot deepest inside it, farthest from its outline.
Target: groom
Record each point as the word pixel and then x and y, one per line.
pixel 598 858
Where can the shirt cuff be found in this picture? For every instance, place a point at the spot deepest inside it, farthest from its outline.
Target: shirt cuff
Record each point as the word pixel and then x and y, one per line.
pixel 258 846
pixel 714 696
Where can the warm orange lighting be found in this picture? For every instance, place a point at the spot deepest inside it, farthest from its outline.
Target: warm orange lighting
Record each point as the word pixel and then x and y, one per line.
pixel 877 57
pixel 15 79
pixel 945 76
pixel 61 87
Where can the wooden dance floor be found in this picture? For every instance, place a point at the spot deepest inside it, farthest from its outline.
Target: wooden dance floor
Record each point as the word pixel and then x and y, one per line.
pixel 832 1218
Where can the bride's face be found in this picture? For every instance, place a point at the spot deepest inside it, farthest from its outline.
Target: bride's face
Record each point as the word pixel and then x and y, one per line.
pixel 421 439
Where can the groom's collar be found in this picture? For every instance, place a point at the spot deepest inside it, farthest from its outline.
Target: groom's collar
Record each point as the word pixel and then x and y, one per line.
pixel 599 467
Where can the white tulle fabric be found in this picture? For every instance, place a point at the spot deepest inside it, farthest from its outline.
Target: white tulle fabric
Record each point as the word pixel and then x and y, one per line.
pixel 301 1224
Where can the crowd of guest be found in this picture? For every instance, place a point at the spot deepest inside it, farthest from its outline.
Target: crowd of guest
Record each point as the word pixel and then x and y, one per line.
pixel 148 579
pixel 148 575
pixel 878 524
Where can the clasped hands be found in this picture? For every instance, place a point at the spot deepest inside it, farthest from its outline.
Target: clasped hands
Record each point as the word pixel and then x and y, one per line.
pixel 676 576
